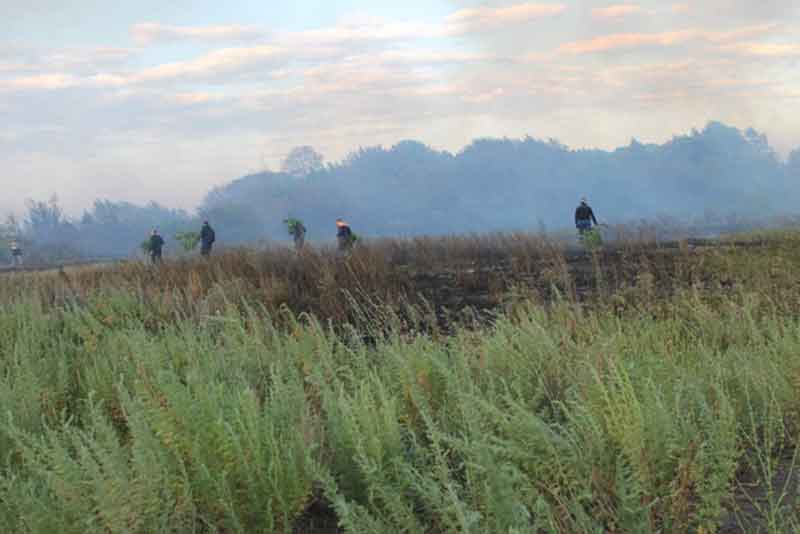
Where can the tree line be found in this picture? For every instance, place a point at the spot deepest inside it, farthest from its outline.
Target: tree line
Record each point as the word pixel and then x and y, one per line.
pixel 491 185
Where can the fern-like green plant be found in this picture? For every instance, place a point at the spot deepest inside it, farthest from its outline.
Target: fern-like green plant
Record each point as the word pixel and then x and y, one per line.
pixel 189 240
pixel 592 239
pixel 293 225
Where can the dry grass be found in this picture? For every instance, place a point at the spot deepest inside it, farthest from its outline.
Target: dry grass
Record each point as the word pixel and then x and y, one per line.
pixel 445 274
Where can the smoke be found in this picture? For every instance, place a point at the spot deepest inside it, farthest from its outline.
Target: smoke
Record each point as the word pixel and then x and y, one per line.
pixel 716 174
pixel 721 178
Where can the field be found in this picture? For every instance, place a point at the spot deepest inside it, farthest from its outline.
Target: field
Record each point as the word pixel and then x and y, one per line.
pixel 480 384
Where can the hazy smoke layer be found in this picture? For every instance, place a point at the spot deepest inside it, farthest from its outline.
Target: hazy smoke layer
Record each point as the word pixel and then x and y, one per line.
pixel 491 185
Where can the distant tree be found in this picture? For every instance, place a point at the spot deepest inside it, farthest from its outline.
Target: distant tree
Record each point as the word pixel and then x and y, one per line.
pixel 116 228
pixel 10 229
pixel 46 222
pixel 302 161
pixel 759 142
pixel 513 184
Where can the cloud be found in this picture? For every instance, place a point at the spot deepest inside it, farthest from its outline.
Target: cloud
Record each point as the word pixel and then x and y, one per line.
pixel 744 33
pixel 75 60
pixel 664 39
pixel 349 30
pixel 616 11
pixel 149 33
pixel 40 82
pixel 226 61
pixel 226 64
pixel 13 66
pixel 772 50
pixel 192 98
pixel 484 98
pixel 365 31
pixel 485 18
pixel 625 40
pixel 353 29
pixel 433 57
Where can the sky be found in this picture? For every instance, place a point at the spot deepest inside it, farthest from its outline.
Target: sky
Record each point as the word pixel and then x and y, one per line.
pixel 154 100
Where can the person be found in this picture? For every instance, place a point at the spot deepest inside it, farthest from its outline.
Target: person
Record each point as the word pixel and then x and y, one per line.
pixel 16 253
pixel 344 236
pixel 207 238
pixel 584 217
pixel 299 234
pixel 156 246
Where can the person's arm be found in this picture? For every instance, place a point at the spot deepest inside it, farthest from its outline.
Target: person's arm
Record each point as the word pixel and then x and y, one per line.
pixel 594 219
pixel 577 212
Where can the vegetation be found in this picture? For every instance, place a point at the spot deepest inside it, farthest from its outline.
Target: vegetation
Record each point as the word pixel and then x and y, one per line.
pixel 189 240
pixel 635 389
pixel 718 177
pixel 292 225
pixel 592 239
pixel 716 180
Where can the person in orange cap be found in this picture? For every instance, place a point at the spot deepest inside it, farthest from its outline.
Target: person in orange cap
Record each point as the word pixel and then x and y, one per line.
pixel 344 236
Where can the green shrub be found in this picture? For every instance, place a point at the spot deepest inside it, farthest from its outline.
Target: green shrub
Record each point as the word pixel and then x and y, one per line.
pixel 188 240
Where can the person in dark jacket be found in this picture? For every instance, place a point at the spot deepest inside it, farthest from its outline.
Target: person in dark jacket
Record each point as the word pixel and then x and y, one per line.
pixel 584 217
pixel 344 236
pixel 207 238
pixel 156 246
pixel 299 235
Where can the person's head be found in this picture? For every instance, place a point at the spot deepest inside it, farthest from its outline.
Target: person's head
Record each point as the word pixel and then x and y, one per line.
pixel 205 223
pixel 583 200
pixel 155 231
pixel 340 223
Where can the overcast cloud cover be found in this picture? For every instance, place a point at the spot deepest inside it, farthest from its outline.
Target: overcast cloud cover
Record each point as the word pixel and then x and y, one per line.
pixel 153 101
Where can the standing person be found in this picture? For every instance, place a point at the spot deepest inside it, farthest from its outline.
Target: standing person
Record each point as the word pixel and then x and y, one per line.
pixel 299 235
pixel 156 246
pixel 207 238
pixel 16 254
pixel 344 236
pixel 584 217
